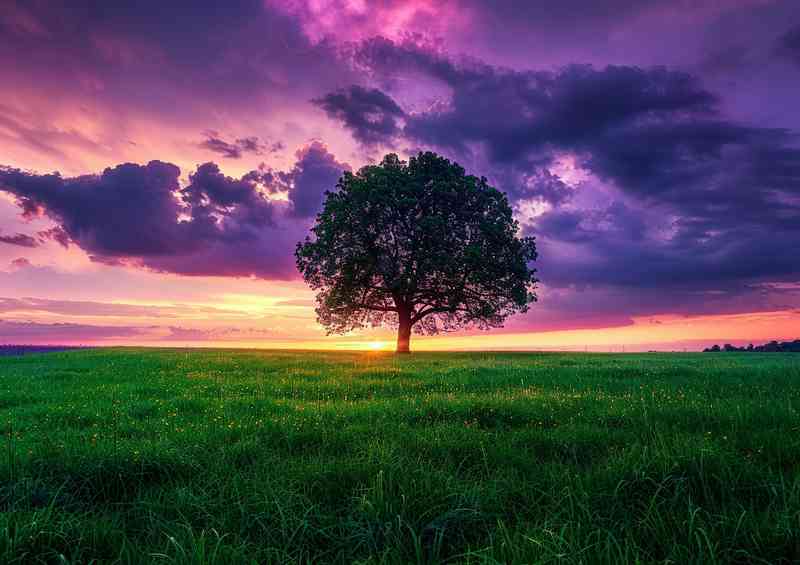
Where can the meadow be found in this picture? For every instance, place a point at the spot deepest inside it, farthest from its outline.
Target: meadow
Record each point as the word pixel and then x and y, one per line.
pixel 243 456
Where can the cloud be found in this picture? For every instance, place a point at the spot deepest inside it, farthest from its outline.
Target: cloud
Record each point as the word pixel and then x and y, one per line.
pixel 665 190
pixel 592 307
pixel 216 225
pixel 224 148
pixel 38 333
pixel 371 115
pixel 20 263
pixel 19 239
pixel 235 149
pixel 56 234
pixel 177 333
pixel 315 172
pixel 675 207
pixel 541 110
pixel 117 45
pixel 128 210
pixel 152 84
pixel 347 20
pixel 106 309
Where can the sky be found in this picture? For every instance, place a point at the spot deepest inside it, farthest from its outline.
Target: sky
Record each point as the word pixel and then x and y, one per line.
pixel 160 160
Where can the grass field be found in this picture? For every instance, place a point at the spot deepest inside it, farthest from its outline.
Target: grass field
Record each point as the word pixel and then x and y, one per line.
pixel 214 456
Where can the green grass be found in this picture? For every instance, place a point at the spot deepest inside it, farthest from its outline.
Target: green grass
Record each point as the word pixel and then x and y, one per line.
pixel 214 456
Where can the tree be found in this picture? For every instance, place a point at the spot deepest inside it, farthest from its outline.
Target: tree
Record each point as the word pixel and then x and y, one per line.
pixel 417 245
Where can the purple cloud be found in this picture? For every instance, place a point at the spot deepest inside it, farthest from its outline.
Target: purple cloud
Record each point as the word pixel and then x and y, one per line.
pixel 56 234
pixel 371 115
pixel 178 333
pixel 93 308
pixel 215 226
pixel 19 239
pixel 38 333
pixel 235 149
pixel 315 172
pixel 696 200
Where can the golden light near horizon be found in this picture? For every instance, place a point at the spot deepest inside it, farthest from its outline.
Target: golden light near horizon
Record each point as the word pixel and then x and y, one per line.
pixel 377 345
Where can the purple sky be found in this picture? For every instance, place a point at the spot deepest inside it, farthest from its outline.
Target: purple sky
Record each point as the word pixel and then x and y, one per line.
pixel 161 159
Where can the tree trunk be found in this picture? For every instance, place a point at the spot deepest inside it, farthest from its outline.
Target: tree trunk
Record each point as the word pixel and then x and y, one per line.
pixel 404 332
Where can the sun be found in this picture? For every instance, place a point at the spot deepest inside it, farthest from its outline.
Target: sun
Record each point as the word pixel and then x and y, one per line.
pixel 376 345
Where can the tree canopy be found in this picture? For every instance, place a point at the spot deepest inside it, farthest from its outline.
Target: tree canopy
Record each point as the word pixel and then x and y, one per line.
pixel 417 245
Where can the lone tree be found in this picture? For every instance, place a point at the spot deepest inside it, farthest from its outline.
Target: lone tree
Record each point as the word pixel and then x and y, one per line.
pixel 416 245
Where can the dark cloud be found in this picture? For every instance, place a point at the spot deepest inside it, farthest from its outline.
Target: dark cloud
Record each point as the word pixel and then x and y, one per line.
pixel 315 172
pixel 577 109
pixel 216 225
pixel 127 210
pixel 235 149
pixel 19 239
pixel 56 234
pixel 591 307
pixel 222 207
pixel 685 198
pixel 625 247
pixel 250 145
pixel 131 212
pixel 514 113
pixel 224 148
pixel 371 115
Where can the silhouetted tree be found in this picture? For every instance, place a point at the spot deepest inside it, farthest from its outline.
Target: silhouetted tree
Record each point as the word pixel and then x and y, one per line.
pixel 417 245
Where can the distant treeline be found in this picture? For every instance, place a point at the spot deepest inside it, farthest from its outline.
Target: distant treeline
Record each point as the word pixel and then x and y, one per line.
pixel 771 347
pixel 27 349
